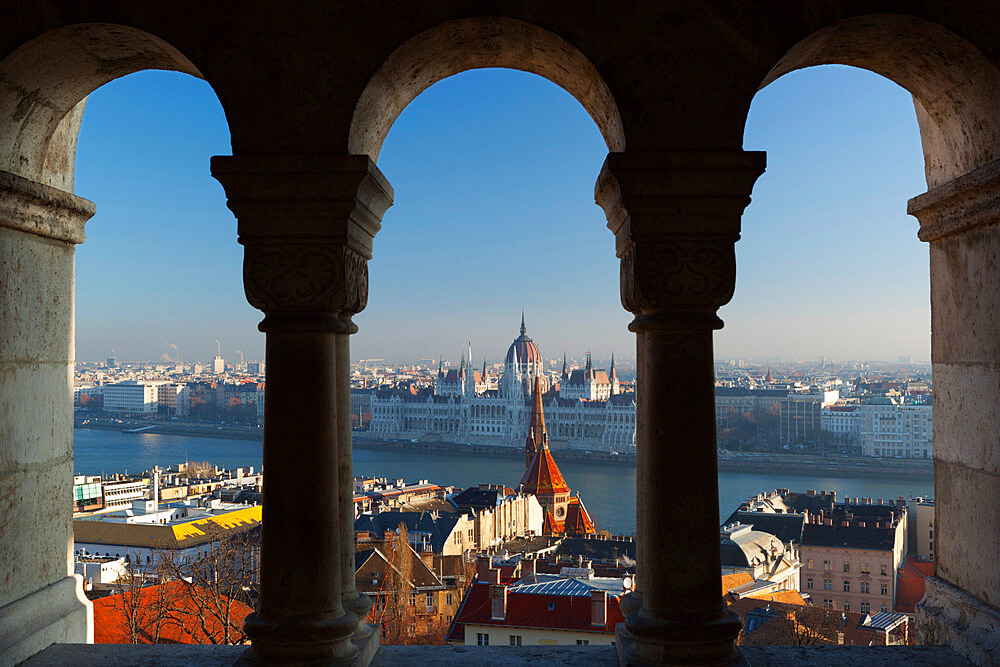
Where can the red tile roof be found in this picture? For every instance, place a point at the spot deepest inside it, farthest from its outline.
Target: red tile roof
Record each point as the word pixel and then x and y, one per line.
pixel 181 625
pixel 531 610
pixel 910 584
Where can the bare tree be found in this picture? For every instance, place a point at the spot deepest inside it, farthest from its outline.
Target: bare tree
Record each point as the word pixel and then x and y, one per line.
pixel 143 611
pixel 216 588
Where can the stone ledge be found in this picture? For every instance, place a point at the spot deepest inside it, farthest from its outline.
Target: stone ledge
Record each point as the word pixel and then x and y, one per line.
pixel 40 209
pixel 109 655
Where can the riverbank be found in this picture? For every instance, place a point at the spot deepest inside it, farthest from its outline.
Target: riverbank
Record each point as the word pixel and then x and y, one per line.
pixel 791 464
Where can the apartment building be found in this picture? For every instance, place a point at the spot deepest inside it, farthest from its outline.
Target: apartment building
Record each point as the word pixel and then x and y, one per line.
pixel 892 427
pixel 851 555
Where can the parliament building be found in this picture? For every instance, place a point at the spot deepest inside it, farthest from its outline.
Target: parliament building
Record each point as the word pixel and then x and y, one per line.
pixel 586 408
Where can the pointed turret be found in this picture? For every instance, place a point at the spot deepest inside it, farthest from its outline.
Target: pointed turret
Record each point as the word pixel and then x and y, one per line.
pixel 524 329
pixel 769 378
pixel 611 374
pixel 441 366
pixel 536 426
pixel 565 371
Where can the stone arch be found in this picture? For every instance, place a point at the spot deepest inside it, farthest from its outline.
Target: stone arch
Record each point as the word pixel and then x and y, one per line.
pixel 477 43
pixel 44 85
pixel 955 87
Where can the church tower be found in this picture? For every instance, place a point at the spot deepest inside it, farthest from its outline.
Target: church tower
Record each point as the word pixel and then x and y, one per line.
pixel 536 426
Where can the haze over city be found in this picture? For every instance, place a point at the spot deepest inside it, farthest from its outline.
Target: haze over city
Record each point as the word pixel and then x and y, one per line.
pixel 493 173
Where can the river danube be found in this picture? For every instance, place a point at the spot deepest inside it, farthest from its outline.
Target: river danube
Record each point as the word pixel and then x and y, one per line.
pixel 608 491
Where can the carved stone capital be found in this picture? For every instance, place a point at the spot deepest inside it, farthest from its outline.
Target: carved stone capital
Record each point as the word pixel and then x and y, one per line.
pixel 676 281
pixel 955 207
pixel 307 224
pixel 315 282
pixel 40 209
pixel 676 218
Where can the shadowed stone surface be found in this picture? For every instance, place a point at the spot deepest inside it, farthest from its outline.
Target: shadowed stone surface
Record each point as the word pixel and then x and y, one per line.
pixel 110 655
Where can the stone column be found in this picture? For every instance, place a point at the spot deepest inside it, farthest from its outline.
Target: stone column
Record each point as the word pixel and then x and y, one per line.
pixel 676 218
pixel 41 600
pixel 961 222
pixel 307 225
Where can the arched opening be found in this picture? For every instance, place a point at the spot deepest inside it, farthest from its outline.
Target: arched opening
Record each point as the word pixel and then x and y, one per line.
pixel 476 43
pixel 955 93
pixel 955 88
pixel 493 172
pixel 45 83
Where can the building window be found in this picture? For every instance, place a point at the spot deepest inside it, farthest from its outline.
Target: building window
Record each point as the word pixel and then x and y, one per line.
pixel 847 586
pixel 515 640
pixel 482 639
pixel 413 599
pixel 827 565
pixel 828 604
pixel 847 567
pixel 865 569
pixel 827 585
pixel 847 606
pixel 884 608
pixel 885 589
pixel 809 583
pixel 809 564
pixel 865 587
pixel 866 607
pixel 582 642
pixel 447 599
pixel 885 569
pixel 551 606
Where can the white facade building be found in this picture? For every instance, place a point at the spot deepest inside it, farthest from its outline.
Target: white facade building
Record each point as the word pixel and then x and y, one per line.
pixel 894 428
pixel 589 411
pixel 144 397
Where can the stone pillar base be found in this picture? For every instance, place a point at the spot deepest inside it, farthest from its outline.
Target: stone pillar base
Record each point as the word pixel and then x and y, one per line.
pixel 951 617
pixel 58 613
pixel 668 654
pixel 365 641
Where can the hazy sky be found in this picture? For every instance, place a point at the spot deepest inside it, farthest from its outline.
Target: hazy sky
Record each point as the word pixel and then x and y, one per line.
pixel 494 175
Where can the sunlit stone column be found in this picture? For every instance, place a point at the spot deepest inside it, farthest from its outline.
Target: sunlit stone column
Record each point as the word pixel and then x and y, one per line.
pixel 676 218
pixel 961 222
pixel 307 224
pixel 41 600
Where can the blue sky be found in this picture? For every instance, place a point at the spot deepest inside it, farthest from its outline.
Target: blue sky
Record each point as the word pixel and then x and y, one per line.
pixel 494 173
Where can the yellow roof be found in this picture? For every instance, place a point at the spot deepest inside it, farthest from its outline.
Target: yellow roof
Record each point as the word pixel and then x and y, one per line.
pixel 172 536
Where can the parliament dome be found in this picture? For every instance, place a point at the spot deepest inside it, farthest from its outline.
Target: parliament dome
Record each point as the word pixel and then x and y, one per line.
pixel 524 348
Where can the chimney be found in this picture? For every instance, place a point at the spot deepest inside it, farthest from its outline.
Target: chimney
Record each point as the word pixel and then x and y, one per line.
pixel 599 608
pixel 498 601
pixel 482 567
pixel 529 567
pixel 494 576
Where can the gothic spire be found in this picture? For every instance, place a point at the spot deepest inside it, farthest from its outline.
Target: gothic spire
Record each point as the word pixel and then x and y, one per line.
pixel 524 329
pixel 537 437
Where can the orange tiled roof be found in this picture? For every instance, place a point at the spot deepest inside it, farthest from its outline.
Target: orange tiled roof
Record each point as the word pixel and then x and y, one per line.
pixel 183 622
pixel 543 477
pixel 550 526
pixel 731 581
pixel 786 597
pixel 578 521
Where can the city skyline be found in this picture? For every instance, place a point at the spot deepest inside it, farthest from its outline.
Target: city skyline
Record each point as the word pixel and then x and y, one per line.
pixel 509 206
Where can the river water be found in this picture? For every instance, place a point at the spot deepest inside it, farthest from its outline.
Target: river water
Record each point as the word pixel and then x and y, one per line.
pixel 608 491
